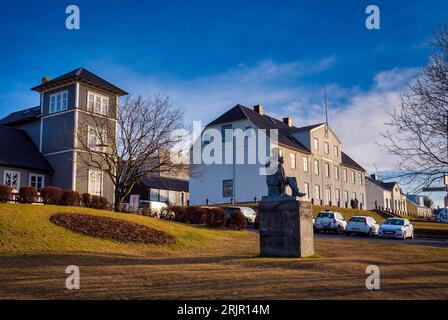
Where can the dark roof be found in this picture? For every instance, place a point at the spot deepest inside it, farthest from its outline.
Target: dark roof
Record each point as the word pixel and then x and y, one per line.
pixel 82 75
pixel 240 112
pixel 165 183
pixel 385 185
pixel 18 151
pixel 349 162
pixel 22 116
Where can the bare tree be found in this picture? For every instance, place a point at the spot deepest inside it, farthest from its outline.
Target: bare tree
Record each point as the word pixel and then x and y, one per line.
pixel 418 129
pixel 139 143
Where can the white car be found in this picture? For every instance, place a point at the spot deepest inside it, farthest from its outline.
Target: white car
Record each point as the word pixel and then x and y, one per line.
pixel 248 212
pixel 362 224
pixel 329 221
pixel 396 228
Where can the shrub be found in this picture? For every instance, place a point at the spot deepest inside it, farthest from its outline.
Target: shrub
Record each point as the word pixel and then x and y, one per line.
pixel 86 199
pixel 195 215
pixel 238 220
pixel 180 213
pixel 95 202
pixel 70 198
pixel 28 194
pixel 104 203
pixel 217 217
pixel 5 193
pixel 51 195
pixel 168 214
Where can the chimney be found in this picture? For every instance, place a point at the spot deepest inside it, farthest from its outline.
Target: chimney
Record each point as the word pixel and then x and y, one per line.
pixel 373 176
pixel 259 109
pixel 45 79
pixel 288 121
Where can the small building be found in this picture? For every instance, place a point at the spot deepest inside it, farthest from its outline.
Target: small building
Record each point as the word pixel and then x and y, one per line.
pixel 163 189
pixel 416 207
pixel 385 196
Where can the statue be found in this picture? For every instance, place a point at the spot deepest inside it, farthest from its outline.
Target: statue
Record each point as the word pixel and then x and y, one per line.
pixel 278 181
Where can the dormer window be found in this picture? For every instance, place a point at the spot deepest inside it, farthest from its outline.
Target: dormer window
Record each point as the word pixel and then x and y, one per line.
pixel 58 101
pixel 98 103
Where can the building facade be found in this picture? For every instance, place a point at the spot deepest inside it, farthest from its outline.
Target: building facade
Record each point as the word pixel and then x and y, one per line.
pixel 68 105
pixel 385 196
pixel 416 207
pixel 312 154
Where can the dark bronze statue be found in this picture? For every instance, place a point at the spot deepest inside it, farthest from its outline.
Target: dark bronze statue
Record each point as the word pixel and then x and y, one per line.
pixel 278 181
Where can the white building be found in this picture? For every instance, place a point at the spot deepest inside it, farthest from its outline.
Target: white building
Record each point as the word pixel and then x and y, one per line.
pixel 312 154
pixel 386 196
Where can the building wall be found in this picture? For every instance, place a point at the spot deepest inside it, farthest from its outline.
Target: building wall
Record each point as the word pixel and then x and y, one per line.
pixel 24 175
pixel 418 210
pixel 62 164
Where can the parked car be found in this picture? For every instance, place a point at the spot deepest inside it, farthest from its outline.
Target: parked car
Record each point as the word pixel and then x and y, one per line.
pixel 362 224
pixel 248 212
pixel 152 208
pixel 329 221
pixel 396 228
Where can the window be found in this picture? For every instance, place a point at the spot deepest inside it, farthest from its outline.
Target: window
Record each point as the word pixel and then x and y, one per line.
pixel 336 151
pixel 292 157
pixel 338 194
pixel 249 131
pixel 353 177
pixel 327 170
pixel 327 148
pixel 360 178
pixel 227 188
pixel 362 198
pixel 226 133
pixel 316 144
pixel 95 182
pixel 354 195
pixel 98 103
pixel 95 142
pixel 12 179
pixel 172 197
pixel 316 167
pixel 36 181
pixel 344 172
pixel 163 194
pixel 154 194
pixel 317 192
pixel 306 186
pixel 305 164
pixel 280 153
pixel 336 172
pixel 59 101
pixel 345 196
pixel 328 195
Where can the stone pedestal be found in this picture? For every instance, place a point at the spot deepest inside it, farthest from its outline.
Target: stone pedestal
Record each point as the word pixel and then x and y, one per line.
pixel 286 228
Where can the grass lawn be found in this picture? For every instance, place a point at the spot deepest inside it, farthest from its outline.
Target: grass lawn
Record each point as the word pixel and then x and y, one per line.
pixel 204 263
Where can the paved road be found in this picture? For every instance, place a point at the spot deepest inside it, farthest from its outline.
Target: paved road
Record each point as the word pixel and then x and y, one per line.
pixel 416 241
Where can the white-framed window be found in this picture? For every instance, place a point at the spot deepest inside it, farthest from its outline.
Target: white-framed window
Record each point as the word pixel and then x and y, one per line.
pixel 338 195
pixel 328 195
pixel 163 195
pixel 317 192
pixel 360 179
pixel 305 164
pixel 12 179
pixel 59 101
pixel 154 194
pixel 353 177
pixel 336 151
pixel 336 172
pixel 97 103
pixel 316 144
pixel 327 147
pixel 362 199
pixel 292 157
pixel 344 172
pixel 95 142
pixel 327 170
pixel 345 196
pixel 95 186
pixel 172 197
pixel 306 186
pixel 37 180
pixel 316 167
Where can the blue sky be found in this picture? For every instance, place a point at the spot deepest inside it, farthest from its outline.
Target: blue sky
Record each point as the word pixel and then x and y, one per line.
pixel 211 55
